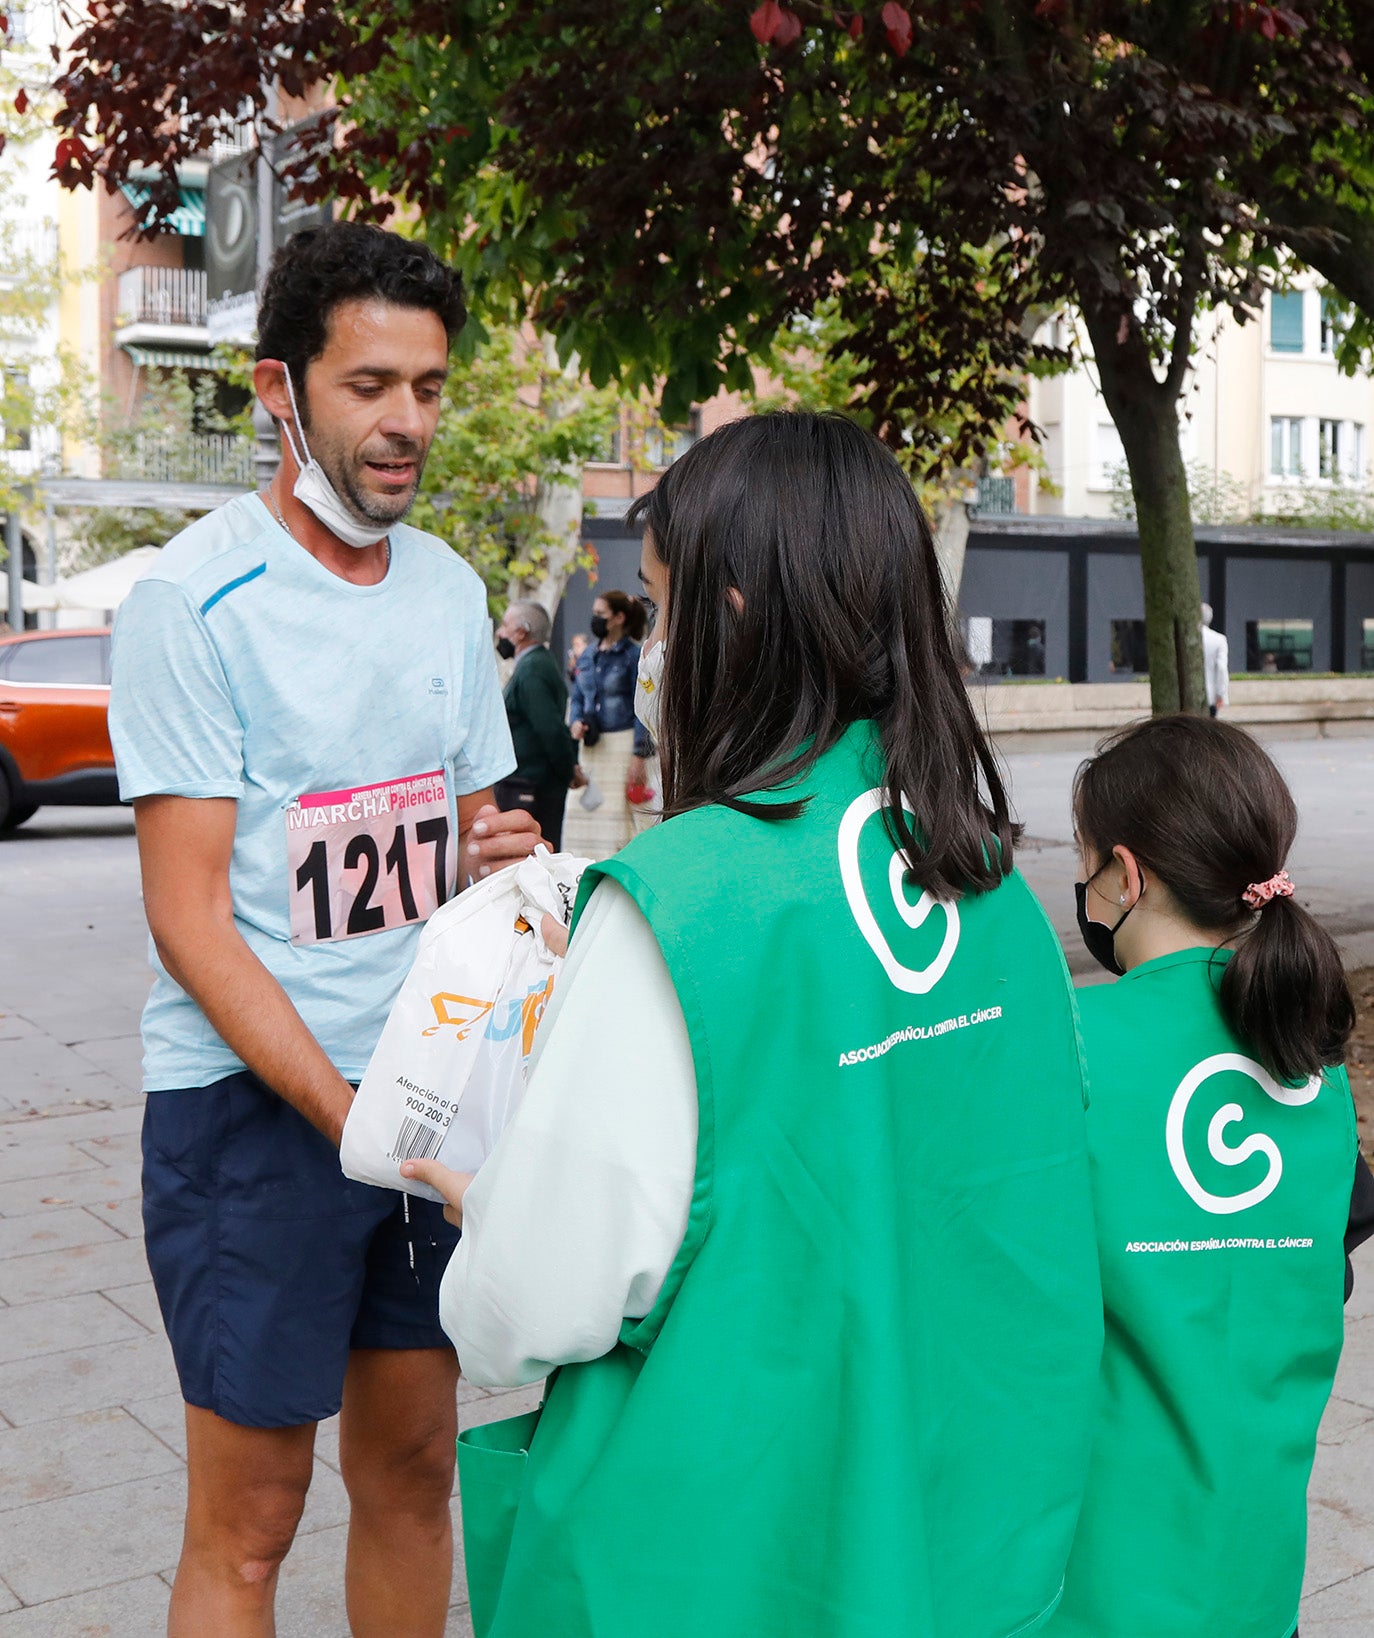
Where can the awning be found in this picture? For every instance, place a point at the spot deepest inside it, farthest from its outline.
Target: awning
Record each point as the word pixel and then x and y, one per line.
pixel 172 358
pixel 188 218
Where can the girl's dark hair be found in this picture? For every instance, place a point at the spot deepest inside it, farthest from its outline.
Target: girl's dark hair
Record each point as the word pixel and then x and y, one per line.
pixel 1202 805
pixel 636 616
pixel 805 596
pixel 320 267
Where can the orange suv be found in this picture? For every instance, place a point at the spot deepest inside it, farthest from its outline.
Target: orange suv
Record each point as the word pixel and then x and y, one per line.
pixel 54 736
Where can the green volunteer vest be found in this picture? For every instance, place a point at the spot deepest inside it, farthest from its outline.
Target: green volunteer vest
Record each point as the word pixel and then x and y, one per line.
pixel 1221 1205
pixel 861 1407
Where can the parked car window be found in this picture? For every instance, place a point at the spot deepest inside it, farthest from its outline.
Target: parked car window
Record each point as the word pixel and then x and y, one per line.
pixel 78 660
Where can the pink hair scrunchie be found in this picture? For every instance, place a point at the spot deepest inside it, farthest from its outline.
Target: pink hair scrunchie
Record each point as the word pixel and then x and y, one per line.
pixel 1259 894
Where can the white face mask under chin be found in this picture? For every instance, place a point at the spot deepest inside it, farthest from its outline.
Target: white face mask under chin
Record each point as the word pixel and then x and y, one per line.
pixel 315 492
pixel 649 687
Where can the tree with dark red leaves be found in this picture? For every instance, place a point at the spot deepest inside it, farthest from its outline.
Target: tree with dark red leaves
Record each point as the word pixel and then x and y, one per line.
pixel 668 187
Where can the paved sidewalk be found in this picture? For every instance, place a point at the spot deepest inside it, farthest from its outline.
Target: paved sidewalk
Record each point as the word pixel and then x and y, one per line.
pixel 91 1464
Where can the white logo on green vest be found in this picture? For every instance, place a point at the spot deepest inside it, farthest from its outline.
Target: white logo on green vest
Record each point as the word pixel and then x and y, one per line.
pixel 914 980
pixel 1258 1143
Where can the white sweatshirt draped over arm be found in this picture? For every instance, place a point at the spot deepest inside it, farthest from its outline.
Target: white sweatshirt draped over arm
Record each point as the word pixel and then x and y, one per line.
pixel 573 1222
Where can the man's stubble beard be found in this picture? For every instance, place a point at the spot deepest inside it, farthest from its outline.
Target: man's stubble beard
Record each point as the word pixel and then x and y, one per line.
pixel 367 508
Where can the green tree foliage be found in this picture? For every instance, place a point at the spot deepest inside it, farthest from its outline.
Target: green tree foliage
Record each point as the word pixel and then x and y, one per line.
pixel 668 188
pixel 508 431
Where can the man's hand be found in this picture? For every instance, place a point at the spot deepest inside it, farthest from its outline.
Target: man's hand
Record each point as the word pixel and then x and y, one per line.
pixel 578 729
pixel 637 772
pixel 492 839
pixel 578 781
pixel 452 1185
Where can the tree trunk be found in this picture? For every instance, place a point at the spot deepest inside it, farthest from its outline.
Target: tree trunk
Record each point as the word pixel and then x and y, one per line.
pixel 1145 411
pixel 950 525
pixel 558 497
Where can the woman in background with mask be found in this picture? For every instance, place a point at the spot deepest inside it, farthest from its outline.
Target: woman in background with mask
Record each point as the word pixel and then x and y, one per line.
pixel 1224 1147
pixel 614 745
pixel 827 1340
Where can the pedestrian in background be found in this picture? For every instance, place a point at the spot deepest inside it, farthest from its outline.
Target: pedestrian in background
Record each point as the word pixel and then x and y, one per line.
pixel 1216 664
pixel 536 707
pixel 829 984
pixel 614 745
pixel 1224 1152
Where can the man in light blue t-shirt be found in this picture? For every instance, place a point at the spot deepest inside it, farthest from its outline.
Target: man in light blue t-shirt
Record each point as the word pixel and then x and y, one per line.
pixel 307 717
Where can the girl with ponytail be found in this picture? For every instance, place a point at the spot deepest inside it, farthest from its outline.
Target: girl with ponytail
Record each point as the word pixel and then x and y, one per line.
pixel 1223 1141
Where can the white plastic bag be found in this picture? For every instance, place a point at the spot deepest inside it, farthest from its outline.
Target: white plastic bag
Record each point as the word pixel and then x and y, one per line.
pixel 449 1068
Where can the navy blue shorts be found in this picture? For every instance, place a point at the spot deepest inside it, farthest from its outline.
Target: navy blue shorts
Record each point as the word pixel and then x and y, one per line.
pixel 269 1263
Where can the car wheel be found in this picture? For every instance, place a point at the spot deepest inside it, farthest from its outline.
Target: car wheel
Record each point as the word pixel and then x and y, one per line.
pixel 12 813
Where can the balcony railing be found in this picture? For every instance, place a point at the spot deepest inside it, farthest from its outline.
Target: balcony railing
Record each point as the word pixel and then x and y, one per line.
pixel 162 295
pixel 217 457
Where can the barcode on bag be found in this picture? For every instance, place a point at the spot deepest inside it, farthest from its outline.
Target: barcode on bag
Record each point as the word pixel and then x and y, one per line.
pixel 416 1141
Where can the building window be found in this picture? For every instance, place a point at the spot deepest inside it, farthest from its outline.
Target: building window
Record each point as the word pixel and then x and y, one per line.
pixel 1330 328
pixel 1367 646
pixel 1004 648
pixel 1109 454
pixel 1285 446
pixel 1329 445
pixel 1285 321
pixel 1129 655
pixel 664 445
pixel 1278 645
pixel 611 451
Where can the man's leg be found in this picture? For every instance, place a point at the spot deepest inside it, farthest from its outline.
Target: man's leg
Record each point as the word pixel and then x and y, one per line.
pixel 245 1491
pixel 396 1452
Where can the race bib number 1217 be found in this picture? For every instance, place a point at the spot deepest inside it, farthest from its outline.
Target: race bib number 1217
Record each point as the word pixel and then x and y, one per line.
pixel 368 859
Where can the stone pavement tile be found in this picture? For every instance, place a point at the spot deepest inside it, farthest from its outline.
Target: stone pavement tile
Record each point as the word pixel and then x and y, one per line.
pixel 63 1273
pixel 1355 1375
pixel 1345 1610
pixel 123 1216
pixel 15 1027
pixel 310 1593
pixel 41 1072
pixel 1343 1422
pixel 326 1503
pixel 513 1402
pixel 119 1055
pixel 95 1018
pixel 115 1147
pixel 86 1321
pixel 459 1623
pixel 79 1453
pixel 1340 1504
pixel 96 1186
pixel 96 1539
pixel 1361 1304
pixel 85 1379
pixel 327 1443
pixel 25 1152
pixel 7 1600
pixel 88 1123
pixel 163 1414
pixel 52 1231
pixel 131 1609
pixel 139 1302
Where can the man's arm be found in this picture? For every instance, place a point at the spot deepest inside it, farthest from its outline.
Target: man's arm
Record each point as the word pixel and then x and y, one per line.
pixel 184 846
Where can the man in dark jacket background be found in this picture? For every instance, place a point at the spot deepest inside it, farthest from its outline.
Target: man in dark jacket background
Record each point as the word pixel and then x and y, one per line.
pixel 536 707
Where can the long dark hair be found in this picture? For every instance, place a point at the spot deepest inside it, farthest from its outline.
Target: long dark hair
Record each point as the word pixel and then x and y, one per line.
pixel 805 596
pixel 1205 808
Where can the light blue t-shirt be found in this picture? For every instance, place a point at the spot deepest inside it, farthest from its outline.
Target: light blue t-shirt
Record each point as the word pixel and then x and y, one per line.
pixel 243 668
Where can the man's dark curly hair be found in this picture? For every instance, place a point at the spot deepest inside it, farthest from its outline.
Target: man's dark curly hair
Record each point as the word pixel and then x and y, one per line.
pixel 320 267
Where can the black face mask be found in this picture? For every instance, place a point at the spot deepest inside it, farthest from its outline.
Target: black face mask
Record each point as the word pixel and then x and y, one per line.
pixel 1098 938
pixel 505 648
pixel 599 625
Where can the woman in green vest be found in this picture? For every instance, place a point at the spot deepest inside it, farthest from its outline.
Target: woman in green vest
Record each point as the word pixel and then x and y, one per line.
pixel 811 1254
pixel 1223 1145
